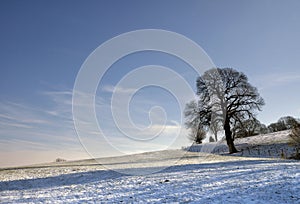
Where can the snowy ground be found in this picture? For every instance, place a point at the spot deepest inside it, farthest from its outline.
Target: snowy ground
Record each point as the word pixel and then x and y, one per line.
pixel 195 178
pixel 271 145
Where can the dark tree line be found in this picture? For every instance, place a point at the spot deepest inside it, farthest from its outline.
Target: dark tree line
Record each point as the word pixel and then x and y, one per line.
pixel 255 127
pixel 284 123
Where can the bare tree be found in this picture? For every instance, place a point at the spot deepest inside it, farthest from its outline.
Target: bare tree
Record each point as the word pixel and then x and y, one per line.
pixel 224 95
pixel 194 123
pixel 215 127
pixel 248 127
pixel 197 135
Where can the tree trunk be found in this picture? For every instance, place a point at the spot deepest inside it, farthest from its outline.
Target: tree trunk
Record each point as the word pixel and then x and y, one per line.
pixel 216 137
pixel 228 135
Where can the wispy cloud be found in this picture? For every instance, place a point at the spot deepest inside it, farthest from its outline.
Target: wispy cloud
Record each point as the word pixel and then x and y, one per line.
pixel 51 125
pixel 288 78
pixel 26 127
pixel 118 89
pixel 277 79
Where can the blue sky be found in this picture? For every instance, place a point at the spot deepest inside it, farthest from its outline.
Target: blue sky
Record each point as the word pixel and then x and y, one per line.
pixel 44 44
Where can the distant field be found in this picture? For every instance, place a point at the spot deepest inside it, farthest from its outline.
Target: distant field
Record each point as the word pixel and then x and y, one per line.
pixel 158 177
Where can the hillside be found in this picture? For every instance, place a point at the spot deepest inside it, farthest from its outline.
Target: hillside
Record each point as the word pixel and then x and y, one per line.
pixel 271 145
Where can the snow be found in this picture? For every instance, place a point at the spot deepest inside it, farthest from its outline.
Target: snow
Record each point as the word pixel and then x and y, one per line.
pixel 271 145
pixel 192 178
pixel 270 138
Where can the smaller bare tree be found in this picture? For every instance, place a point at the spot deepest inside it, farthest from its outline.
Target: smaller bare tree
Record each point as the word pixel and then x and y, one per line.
pixel 211 139
pixel 194 123
pixel 215 127
pixel 197 134
pixel 248 127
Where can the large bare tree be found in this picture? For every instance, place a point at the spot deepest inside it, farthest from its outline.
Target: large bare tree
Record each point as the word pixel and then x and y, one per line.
pixel 224 96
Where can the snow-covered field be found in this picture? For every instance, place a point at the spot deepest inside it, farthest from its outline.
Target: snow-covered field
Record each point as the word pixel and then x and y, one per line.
pixel 193 178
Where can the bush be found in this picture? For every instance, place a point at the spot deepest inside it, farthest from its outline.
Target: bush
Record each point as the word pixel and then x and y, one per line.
pixel 295 136
pixel 295 140
pixel 60 160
